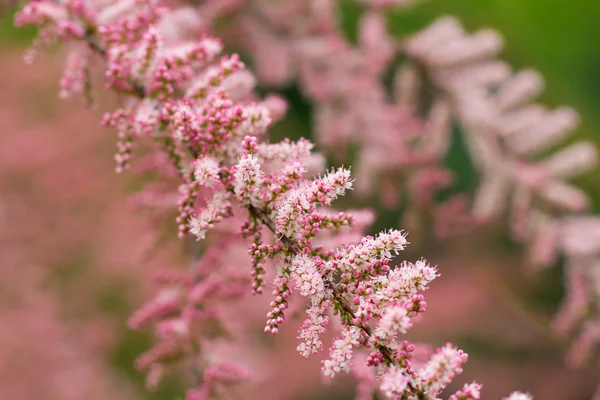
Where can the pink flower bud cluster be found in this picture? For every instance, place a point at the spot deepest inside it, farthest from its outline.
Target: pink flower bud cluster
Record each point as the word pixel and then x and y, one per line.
pixel 180 99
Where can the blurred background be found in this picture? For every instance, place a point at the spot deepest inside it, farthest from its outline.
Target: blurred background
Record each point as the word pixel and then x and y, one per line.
pixel 75 258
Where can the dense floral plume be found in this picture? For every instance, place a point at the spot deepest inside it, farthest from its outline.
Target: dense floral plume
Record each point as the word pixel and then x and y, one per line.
pixel 198 111
pixel 507 133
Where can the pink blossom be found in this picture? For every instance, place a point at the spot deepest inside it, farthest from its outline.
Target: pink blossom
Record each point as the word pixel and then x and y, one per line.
pixel 441 368
pixel 341 353
pixel 394 383
pixel 471 391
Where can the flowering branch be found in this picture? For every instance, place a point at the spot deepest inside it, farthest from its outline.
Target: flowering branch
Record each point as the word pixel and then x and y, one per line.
pixel 202 112
pixel 338 297
pixel 293 247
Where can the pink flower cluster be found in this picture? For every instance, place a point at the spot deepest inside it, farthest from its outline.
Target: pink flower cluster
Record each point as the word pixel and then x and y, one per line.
pixel 507 134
